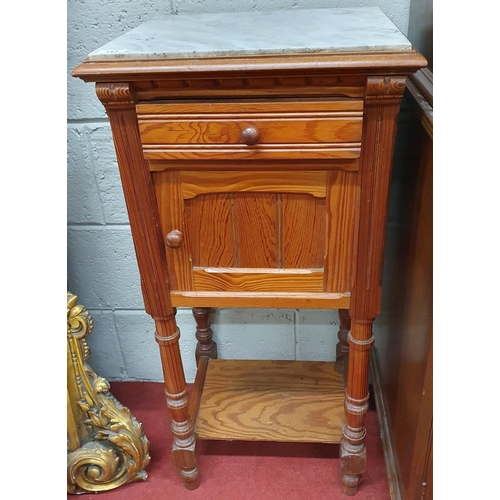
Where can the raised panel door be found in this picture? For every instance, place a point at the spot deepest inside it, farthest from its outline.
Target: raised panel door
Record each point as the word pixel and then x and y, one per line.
pixel 258 231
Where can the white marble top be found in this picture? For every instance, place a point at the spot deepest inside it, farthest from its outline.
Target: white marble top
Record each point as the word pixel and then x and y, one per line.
pixel 262 32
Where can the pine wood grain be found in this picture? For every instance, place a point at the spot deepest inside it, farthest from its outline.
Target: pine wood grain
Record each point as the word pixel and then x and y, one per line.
pixel 209 222
pixel 238 219
pixel 255 218
pixel 381 110
pixel 251 107
pixel 284 128
pixel 216 130
pixel 195 395
pixel 292 65
pixel 340 220
pixel 325 86
pixel 289 151
pixel 249 279
pixel 235 218
pixel 278 165
pixel 301 300
pixel 300 401
pixel 138 190
pixel 203 182
pixel 303 233
pixel 168 193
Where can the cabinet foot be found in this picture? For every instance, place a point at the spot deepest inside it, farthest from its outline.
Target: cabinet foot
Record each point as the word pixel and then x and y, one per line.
pixel 352 460
pixel 190 478
pixel 186 459
pixel 350 484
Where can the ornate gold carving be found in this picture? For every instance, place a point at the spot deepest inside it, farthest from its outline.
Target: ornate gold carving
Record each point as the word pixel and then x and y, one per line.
pixel 106 444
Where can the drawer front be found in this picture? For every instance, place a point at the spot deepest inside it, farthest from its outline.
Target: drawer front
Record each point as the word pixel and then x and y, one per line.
pixel 251 130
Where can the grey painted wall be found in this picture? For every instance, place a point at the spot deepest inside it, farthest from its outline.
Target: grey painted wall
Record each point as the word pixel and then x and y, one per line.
pixel 102 270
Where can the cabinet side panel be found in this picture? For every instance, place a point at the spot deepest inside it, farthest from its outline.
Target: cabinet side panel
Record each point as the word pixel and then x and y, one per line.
pixel 404 330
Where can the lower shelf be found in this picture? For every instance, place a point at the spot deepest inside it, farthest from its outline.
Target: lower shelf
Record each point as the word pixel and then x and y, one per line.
pixel 287 401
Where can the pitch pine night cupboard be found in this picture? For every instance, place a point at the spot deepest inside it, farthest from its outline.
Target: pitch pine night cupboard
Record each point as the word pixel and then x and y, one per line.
pixel 255 154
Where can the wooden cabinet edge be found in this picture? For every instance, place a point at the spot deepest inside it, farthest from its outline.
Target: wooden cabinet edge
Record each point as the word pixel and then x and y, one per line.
pixel 419 95
pixel 354 63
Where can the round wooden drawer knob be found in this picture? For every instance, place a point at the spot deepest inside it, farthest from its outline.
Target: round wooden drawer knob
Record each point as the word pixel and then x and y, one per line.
pixel 250 136
pixel 174 239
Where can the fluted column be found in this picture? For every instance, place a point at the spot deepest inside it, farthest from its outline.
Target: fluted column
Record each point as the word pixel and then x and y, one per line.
pixel 382 101
pixel 119 100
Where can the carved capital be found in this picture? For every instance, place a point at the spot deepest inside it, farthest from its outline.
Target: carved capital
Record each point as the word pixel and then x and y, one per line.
pixel 106 445
pixel 381 89
pixel 115 95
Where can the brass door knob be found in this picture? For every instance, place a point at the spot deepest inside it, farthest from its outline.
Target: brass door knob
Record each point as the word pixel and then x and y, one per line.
pixel 250 136
pixel 174 239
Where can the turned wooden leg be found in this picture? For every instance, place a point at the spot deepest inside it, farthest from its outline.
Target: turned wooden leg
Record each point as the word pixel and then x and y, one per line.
pixel 342 348
pixel 184 445
pixel 206 346
pixel 352 447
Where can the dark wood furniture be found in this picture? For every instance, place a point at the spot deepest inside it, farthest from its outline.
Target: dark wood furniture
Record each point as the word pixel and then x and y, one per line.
pixel 259 181
pixel 402 364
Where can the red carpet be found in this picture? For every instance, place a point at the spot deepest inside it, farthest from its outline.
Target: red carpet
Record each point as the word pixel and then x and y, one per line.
pixel 241 470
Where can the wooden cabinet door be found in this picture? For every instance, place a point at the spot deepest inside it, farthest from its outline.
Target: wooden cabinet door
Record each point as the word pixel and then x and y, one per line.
pixel 257 231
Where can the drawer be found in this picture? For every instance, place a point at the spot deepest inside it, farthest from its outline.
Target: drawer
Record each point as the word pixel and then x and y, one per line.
pixel 251 130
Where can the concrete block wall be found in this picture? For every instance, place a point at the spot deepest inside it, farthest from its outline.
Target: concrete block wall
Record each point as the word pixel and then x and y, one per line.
pixel 102 269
